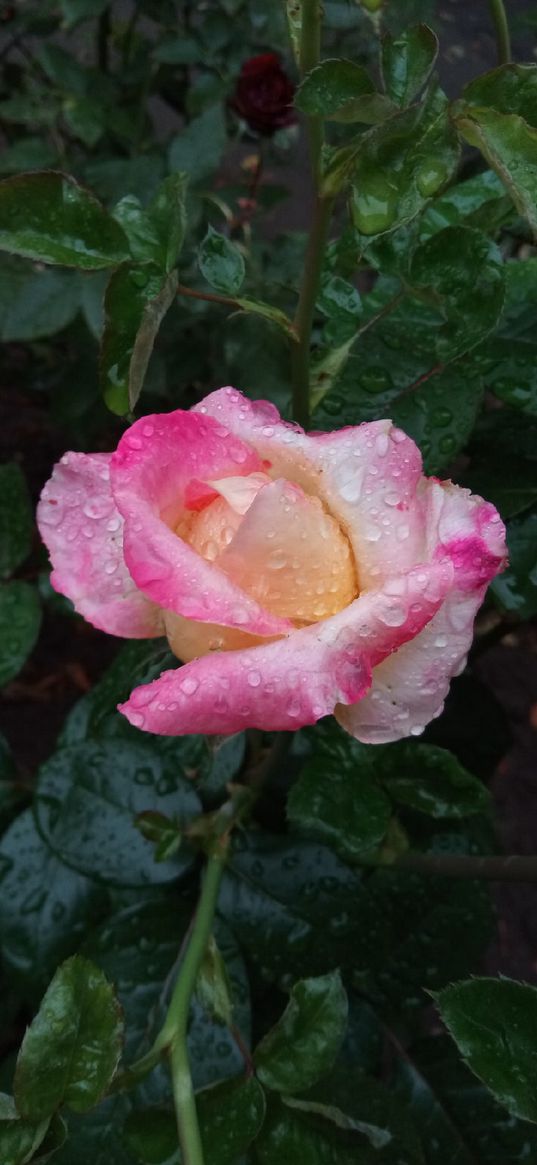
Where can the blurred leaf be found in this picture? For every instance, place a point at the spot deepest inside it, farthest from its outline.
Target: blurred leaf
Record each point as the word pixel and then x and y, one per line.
pixel 400 164
pixel 183 50
pixel 494 1024
pixel 439 1133
pixel 305 1041
pixel 431 780
pixel 135 304
pixel 462 273
pixel 111 177
pixel 48 216
pixel 29 153
pixel 516 589
pixel 95 1138
pixel 35 301
pixel 407 62
pixel 340 805
pixel 198 148
pixel 167 213
pixel 77 1032
pixel 20 620
pixel 44 906
pixel 16 522
pixel 221 263
pixel 74 11
pixel 88 797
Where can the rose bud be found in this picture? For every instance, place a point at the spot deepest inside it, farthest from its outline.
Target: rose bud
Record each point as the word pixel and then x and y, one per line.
pixel 264 94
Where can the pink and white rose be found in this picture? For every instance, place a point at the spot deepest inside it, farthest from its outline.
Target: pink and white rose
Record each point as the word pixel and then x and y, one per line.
pixel 295 574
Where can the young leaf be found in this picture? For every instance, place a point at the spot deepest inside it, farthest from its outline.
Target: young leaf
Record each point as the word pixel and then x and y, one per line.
pixel 48 216
pixel 20 620
pixel 15 519
pixel 407 62
pixel 71 1050
pixel 136 301
pixel 221 263
pixel 304 1043
pixel 494 1024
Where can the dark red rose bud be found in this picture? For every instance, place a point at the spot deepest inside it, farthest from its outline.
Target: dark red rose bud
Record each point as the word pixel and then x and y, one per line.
pixel 264 94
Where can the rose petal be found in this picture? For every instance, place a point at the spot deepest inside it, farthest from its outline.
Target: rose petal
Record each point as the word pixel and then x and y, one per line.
pixel 295 680
pixel 83 532
pixel 368 477
pixel 291 555
pixel 409 689
pixel 151 469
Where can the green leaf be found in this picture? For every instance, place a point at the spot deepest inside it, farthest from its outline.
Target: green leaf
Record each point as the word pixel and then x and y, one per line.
pixel 267 312
pixel 94 1138
pixel 516 589
pixel 167 214
pixel 407 62
pixel 456 1115
pixel 44 906
pixel 71 1050
pixel 340 805
pixel 88 797
pixel 441 413
pixel 198 148
pixel 221 263
pixel 494 1024
pixel 230 1115
pixel 29 153
pixel 508 89
pixel 431 780
pixel 462 272
pixel 35 301
pixel 16 523
pixel 509 145
pixel 135 304
pixel 297 910
pixel 19 1139
pixel 400 164
pixel 335 90
pixel 48 216
pixel 137 950
pixel 287 1138
pixel 470 203
pixel 74 11
pixel 304 1043
pixel 20 620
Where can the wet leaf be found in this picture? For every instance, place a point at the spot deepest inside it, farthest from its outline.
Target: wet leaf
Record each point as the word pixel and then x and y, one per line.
pixel 20 620
pixel 304 1043
pixel 494 1024
pixel 48 216
pixel 71 1050
pixel 407 62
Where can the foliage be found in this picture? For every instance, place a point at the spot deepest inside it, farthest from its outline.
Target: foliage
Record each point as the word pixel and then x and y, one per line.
pixel 145 260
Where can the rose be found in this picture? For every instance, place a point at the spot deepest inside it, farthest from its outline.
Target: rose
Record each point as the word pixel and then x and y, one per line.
pixel 299 574
pixel 264 94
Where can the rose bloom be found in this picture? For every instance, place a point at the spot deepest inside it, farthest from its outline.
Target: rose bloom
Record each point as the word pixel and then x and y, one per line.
pixel 295 574
pixel 264 94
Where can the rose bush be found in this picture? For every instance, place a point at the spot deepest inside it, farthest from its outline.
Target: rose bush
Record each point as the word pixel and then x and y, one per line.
pixel 264 94
pixel 295 574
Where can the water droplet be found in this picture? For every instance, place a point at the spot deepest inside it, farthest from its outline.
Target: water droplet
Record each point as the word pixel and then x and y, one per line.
pixel 430 175
pixel 254 679
pixel 374 205
pixel 276 560
pixel 189 685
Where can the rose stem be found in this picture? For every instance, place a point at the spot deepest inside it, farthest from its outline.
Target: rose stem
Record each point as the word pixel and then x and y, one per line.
pixel 310 39
pixel 501 27
pixel 495 868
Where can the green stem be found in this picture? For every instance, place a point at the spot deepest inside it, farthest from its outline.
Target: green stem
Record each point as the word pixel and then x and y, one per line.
pixel 311 278
pixel 174 1032
pixel 501 28
pixel 497 868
